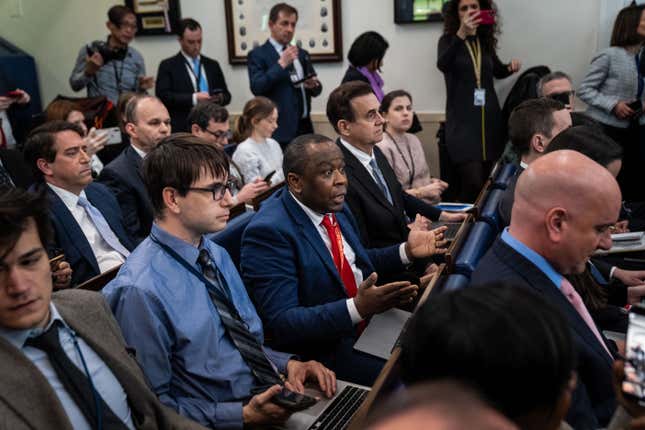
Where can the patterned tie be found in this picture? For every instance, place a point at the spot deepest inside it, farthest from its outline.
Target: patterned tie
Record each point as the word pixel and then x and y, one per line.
pixel 75 382
pixel 102 226
pixel 197 67
pixel 380 180
pixel 247 344
pixel 5 179
pixel 574 298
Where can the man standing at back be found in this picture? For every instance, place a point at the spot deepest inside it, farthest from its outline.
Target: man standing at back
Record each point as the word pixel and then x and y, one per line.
pixel 283 73
pixel 189 77
pixel 564 205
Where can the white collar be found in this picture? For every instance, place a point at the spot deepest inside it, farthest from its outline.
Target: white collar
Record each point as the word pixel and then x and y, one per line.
pixel 523 165
pixel 363 157
pixel 314 216
pixel 70 199
pixel 189 58
pixel 277 45
pixel 139 151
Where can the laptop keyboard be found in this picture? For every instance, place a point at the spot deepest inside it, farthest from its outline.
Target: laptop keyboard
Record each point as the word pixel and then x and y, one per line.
pixel 340 410
pixel 453 228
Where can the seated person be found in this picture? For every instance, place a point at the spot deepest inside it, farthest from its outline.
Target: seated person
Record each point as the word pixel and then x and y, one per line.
pixel 531 127
pixel 147 122
pixel 519 356
pixel 404 151
pixel 88 225
pixel 65 110
pixel 62 354
pixel 564 205
pixel 381 208
pixel 310 277
pixel 257 155
pixel 209 121
pixel 181 303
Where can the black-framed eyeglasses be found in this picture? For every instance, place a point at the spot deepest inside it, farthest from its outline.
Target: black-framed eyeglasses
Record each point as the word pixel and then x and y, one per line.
pixel 220 134
pixel 218 190
pixel 565 97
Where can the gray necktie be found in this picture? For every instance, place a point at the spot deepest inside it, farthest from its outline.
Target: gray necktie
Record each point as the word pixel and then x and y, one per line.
pixel 380 180
pixel 103 227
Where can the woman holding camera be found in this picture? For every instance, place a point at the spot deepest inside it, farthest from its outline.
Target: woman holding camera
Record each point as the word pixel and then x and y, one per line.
pixel 613 90
pixel 468 59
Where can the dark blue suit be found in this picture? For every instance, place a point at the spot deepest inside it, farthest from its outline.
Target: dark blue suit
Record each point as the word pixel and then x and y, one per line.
pixel 123 177
pixel 269 79
pixel 593 401
pixel 70 238
pixel 297 290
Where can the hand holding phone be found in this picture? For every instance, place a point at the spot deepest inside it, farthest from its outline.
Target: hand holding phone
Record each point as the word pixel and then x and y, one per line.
pixel 268 177
pixel 15 94
pixel 637 107
pixel 633 384
pixel 293 401
pixel 487 17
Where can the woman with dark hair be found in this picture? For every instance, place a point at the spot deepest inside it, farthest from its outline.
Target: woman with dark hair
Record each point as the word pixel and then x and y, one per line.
pixel 404 151
pixel 468 59
pixel 366 59
pixel 505 342
pixel 613 90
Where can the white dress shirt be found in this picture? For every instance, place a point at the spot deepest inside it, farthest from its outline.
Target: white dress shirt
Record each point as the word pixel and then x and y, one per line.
pixel 139 151
pixel 106 257
pixel 300 72
pixel 191 73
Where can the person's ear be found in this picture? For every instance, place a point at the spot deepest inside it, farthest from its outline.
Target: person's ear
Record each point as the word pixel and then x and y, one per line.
pixel 294 181
pixel 131 129
pixel 44 166
pixel 110 26
pixel 556 224
pixel 537 143
pixel 169 196
pixel 195 130
pixel 344 127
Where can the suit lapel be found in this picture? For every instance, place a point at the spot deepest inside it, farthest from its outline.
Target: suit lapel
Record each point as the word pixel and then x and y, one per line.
pixel 539 281
pixel 181 64
pixel 135 163
pixel 311 235
pixel 75 235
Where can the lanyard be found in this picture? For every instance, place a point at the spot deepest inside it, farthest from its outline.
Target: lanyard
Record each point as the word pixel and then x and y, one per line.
pixel 209 285
pixel 118 75
pixel 640 76
pixel 411 169
pixel 198 76
pixel 475 51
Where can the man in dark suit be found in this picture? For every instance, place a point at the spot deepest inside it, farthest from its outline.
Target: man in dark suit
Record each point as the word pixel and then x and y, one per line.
pixel 13 170
pixel 189 77
pixel 62 353
pixel 565 204
pixel 87 219
pixel 531 127
pixel 311 279
pixel 147 122
pixel 284 73
pixel 381 207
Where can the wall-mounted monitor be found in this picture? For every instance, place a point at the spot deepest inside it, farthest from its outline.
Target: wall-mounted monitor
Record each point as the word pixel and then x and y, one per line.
pixel 411 11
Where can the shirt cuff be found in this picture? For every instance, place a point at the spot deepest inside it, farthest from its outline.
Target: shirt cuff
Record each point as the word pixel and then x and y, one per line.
pixel 229 415
pixel 194 99
pixel 611 272
pixel 353 312
pixel 403 255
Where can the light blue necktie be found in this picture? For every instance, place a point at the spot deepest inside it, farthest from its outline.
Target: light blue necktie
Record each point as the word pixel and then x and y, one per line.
pixel 380 181
pixel 102 226
pixel 197 66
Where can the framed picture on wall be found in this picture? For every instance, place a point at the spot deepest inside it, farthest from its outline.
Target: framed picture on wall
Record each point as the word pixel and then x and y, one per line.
pixel 318 29
pixel 411 11
pixel 155 17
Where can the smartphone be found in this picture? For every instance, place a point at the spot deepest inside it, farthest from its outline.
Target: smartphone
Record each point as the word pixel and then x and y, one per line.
pixel 633 385
pixel 293 401
pixel 637 107
pixel 113 133
pixel 300 81
pixel 268 177
pixel 216 91
pixel 15 94
pixel 487 17
pixel 54 262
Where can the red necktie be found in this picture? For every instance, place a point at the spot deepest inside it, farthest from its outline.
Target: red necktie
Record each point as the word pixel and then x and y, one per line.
pixel 341 263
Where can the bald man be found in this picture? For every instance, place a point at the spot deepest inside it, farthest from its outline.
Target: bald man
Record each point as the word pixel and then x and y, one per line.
pixel 564 206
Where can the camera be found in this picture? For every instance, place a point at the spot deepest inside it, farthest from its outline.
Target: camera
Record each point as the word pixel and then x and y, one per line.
pixel 106 52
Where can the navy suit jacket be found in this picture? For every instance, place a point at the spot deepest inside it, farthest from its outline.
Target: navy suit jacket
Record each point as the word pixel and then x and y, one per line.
pixel 123 176
pixel 295 285
pixel 593 401
pixel 269 79
pixel 175 88
pixel 70 238
pixel 379 222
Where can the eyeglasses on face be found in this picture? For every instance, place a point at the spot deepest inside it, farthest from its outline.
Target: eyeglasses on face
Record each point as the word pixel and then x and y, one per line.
pixel 220 134
pixel 218 190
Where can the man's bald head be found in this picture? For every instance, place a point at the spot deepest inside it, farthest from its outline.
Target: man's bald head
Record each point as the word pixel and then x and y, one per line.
pixel 564 204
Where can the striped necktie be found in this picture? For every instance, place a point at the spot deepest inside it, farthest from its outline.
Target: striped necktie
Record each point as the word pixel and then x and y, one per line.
pixel 380 180
pixel 103 227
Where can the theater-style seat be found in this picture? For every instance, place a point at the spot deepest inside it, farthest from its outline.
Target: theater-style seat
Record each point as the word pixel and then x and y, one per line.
pixel 504 176
pixel 455 282
pixel 479 240
pixel 231 237
pixel 489 213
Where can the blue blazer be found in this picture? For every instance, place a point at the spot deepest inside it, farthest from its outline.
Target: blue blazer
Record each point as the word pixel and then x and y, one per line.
pixel 123 176
pixel 297 290
pixel 593 401
pixel 270 80
pixel 70 238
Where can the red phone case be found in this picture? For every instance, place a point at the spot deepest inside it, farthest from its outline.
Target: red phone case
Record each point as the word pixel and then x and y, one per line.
pixel 13 94
pixel 487 17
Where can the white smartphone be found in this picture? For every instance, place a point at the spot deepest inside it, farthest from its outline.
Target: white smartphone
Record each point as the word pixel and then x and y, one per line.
pixel 113 133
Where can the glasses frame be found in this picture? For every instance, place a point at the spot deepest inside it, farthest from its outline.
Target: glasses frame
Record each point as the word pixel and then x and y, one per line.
pixel 220 188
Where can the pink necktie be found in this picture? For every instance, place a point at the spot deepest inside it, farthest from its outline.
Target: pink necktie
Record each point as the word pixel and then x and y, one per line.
pixel 574 298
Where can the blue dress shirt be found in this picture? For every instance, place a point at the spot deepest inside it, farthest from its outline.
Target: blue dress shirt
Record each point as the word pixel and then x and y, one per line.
pixel 165 312
pixel 535 258
pixel 102 377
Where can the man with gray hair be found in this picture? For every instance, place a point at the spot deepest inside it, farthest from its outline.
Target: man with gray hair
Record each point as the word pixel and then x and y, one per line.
pixel 557 85
pixel 147 122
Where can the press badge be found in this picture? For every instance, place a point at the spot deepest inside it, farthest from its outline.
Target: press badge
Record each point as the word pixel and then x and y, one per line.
pixel 480 97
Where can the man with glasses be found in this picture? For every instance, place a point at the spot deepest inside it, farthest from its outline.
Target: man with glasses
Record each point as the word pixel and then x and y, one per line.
pixel 209 121
pixel 181 303
pixel 112 67
pixel 557 85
